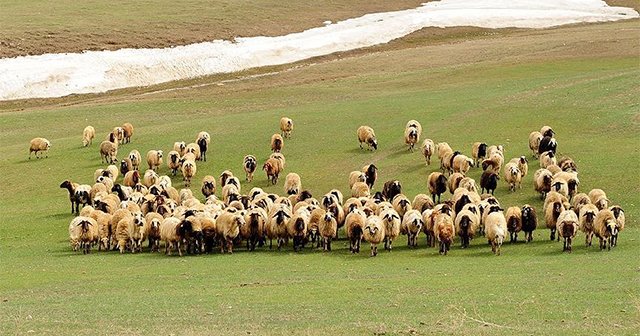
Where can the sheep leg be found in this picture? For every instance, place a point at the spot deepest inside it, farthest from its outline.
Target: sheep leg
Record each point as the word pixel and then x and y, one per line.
pixel 553 234
pixel 179 248
pixel 372 255
pixel 569 244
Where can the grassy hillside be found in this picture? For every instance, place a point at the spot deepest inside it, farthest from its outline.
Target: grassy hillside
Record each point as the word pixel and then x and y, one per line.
pixel 581 80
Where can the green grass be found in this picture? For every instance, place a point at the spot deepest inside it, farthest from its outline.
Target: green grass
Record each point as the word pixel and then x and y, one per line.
pixel 459 94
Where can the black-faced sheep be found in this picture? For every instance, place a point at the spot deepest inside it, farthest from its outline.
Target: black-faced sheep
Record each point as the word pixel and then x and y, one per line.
pixel 356 176
pixel 587 216
pixel 354 224
pixel 547 159
pixel 529 221
pixel 412 133
pixel 249 163
pixel 547 144
pixel 567 227
pixel 552 210
pixel 489 181
pixel 547 131
pixel 71 187
pixel 297 228
pixel 174 162
pixel 254 228
pixel 228 228
pixel 277 224
pixel 599 198
pixel 514 222
pixel 371 172
pixel 466 225
pixel 286 126
pixel 391 221
pixel 180 147
pixel 367 135
pixel 292 184
pixel 87 135
pixel 277 143
pixel 272 167
pixel 567 164
pixel 374 233
pixel 125 166
pixel 401 204
pixel 478 152
pixel 618 213
pixel 203 145
pixel 391 189
pixel 188 172
pixel 412 224
pixel 428 148
pixel 108 152
pixel 83 232
pixel 437 185
pixel 605 228
pixel 542 182
pixel 208 186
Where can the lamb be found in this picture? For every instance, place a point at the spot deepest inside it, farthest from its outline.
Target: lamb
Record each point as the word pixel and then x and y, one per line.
pixel 542 182
pixel 154 159
pixel 286 126
pixel 180 147
pixel 534 142
pixel 208 186
pixel 401 204
pixel 599 198
pixel 605 228
pixel 83 232
pixel 547 144
pixel 374 233
pixel 529 221
pixel 514 222
pixel 618 213
pixel 371 172
pixel 228 228
pixel 411 135
pixel 360 189
pixel 87 135
pixel 427 150
pixel 547 159
pixel 437 185
pixel 489 181
pixel 249 164
pixel 174 162
pixel 356 176
pixel 292 184
pixel 478 152
pixel 277 143
pixel 412 224
pixel 367 135
pixel 108 152
pixel 328 228
pixel 513 176
pixel 466 225
pixel 188 172
pixel 391 222
pixel 272 167
pixel 587 216
pixel 495 230
pixel 128 132
pixel 552 211
pixel 567 227
pixel 131 178
pixel 297 228
pixel 253 231
pixel 391 189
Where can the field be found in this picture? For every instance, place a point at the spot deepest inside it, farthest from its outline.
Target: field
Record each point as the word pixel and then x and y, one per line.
pixel 472 85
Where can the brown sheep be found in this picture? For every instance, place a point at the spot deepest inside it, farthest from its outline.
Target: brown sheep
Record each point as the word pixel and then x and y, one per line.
pixel 228 228
pixel 567 227
pixel 272 167
pixel 605 228
pixel 599 198
pixel 154 159
pixel 466 224
pixel 529 221
pixel 39 145
pixel 286 126
pixel 514 222
pixel 374 233
pixel 253 230
pixel 454 181
pixel 428 148
pixel 551 212
pixel 108 152
pixel 208 186
pixel 412 224
pixel 478 152
pixel 437 185
pixel 542 182
pixel 444 230
pixel 587 216
pixel 391 222
pixel 367 135
pixel 128 132
pixel 461 164
pixel 277 143
pixel 354 224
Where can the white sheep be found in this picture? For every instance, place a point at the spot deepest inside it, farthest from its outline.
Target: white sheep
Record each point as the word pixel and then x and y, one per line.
pixel 605 228
pixel 356 176
pixel 428 148
pixel 412 224
pixel 292 184
pixel 87 135
pixel 412 133
pixel 286 127
pixel 180 147
pixel 547 159
pixel 599 198
pixel 374 233
pixel 534 142
pixel 391 221
pixel 495 230
pixel 83 232
pixel 513 176
pixel 478 152
pixel 136 159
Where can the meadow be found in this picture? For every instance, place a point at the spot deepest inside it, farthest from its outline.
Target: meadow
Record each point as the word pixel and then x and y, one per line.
pixel 497 88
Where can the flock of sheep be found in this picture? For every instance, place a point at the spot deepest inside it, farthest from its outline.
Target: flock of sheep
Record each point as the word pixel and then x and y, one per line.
pixel 146 207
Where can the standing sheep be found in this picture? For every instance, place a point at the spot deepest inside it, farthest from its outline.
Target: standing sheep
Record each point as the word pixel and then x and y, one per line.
pixel 208 186
pixel 128 132
pixel 391 222
pixel 87 135
pixel 188 172
pixel 286 126
pixel 427 150
pixel 444 230
pixel 454 181
pixel 489 181
pixel 277 143
pixel 249 163
pixel 551 213
pixel 567 227
pixel 547 159
pixel 478 152
pixel 523 164
pixel 353 225
pixel 180 147
pixel 203 145
pixel 514 223
pixel 542 182
pixel 412 224
pixel 136 159
pixel 374 233
pixel 174 162
pixel 297 228
pixel 412 133
pixel 356 176
pixel 599 198
pixel 154 159
pixel 328 228
pixel 529 221
pixel 461 164
pixel 605 228
pixel 272 167
pixel 495 230
pixel 466 225
pixel 513 176
pixel 547 144
pixel 367 135
pixel 71 187
pixel 437 185
pixel 292 184
pixel 586 220
pixel 108 152
pixel 228 228
pixel 371 172
pixel 618 213
pixel 534 142
pixel 391 189
pixel 83 232
pixel 253 230
pixel 360 189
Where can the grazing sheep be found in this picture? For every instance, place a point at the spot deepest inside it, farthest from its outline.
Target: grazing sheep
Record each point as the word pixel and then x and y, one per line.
pixel 180 147
pixel 83 232
pixel 108 152
pixel 366 135
pixel 272 167
pixel 466 225
pixel 547 144
pixel 587 216
pixel 513 176
pixel 478 152
pixel 489 181
pixel 605 228
pixel 547 159
pixel 437 185
pixel 599 198
pixel 249 164
pixel 495 230
pixel 542 182
pixel 618 213
pixel 567 227
pixel 188 172
pixel 360 189
pixel 411 136
pixel 292 184
pixel 371 172
pixel 391 189
pixel 353 225
pixel 422 202
pixel 356 176
pixel 374 233
pixel 461 164
pixel 277 143
pixel 127 128
pixel 412 224
pixel 514 222
pixel 286 126
pixel 391 222
pixel 87 136
pixel 551 212
pixel 154 159
pixel 208 186
pixel 428 148
pixel 529 221
pixel 534 142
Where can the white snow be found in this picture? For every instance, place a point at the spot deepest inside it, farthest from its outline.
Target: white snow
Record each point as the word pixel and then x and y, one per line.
pixel 56 75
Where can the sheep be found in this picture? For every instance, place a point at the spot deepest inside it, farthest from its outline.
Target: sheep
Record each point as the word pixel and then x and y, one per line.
pixel 125 166
pixel 253 230
pixel 514 222
pixel 468 184
pixel 286 126
pixel 173 162
pixel 292 184
pixel 367 135
pixel 454 181
pixel 104 226
pixel 542 182
pixel 209 230
pixel 203 145
pixel 391 223
pixel 131 178
pixel 444 230
pixel 391 189
pixel 280 157
pixel 189 170
pixel 149 178
pixel 374 233
pixel 151 230
pixel 605 228
pixel 437 185
pixel 566 183
pixel 194 149
pixel 208 186
pixel 478 152
pixel 360 189
pixel 277 224
pixel 118 133
pixel 578 201
pixel 371 172
pixel 461 164
pixel 107 181
pixel 547 131
pixel 108 152
pixel 277 143
pixel 513 176
pixel 327 228
pixel 495 230
pixel 124 192
pixel 83 232
pixel 401 204
pixel 71 187
pixel 599 198
pixel 313 231
pixel 354 223
pixel 172 232
pixel 567 227
pixel 529 221
pixel 547 144
pixel 87 135
pixel 411 136
pixel 297 228
pixel 428 218
pixel 493 163
pixel 547 159
pixel 587 216
pixel 180 147
pixel 534 142
pixel 567 164
pixel 135 158
pixel 427 150
pixel 446 163
pixel 523 164
pixel 466 225
pixel 127 128
pixel 551 212
pixel 228 228
pixel 618 213
pixel 422 202
pixel 272 167
pixel 412 224
pixel 443 149
pixel 356 176
pixel 154 159
pixel 489 181
pixel 230 193
pixel 554 169
pixel 129 232
pixel 249 163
